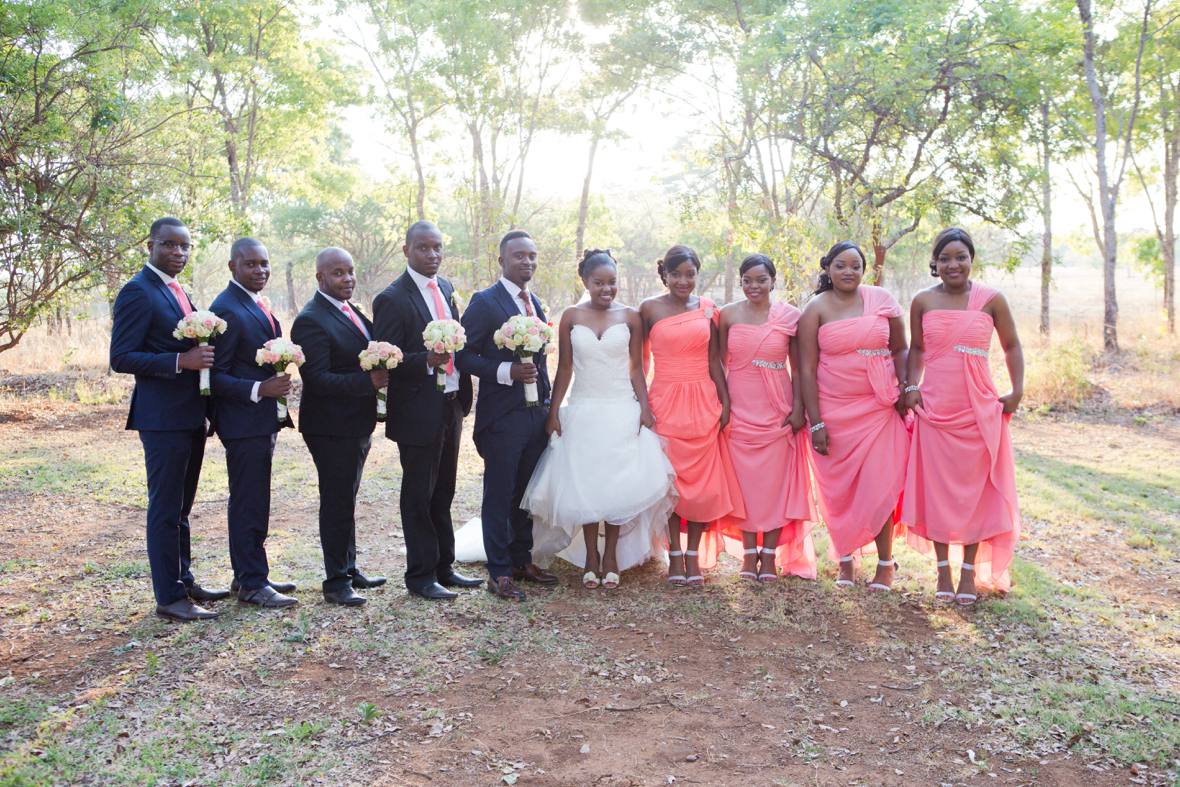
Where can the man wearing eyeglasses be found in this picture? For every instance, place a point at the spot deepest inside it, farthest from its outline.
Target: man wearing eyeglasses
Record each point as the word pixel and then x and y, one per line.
pixel 168 411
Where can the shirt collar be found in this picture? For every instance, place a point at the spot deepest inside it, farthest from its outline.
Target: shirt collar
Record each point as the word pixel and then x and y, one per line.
pixel 253 295
pixel 331 300
pixel 164 277
pixel 422 281
pixel 513 290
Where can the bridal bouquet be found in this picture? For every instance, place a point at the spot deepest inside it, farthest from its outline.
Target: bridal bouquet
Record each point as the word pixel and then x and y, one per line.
pixel 525 336
pixel 200 326
pixel 444 336
pixel 279 354
pixel 380 355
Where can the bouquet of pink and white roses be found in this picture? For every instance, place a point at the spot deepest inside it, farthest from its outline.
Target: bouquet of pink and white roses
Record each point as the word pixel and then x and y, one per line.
pixel 444 336
pixel 525 336
pixel 200 326
pixel 279 354
pixel 380 355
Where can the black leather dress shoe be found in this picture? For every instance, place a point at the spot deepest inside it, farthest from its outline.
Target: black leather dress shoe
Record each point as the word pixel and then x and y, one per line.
pixel 185 611
pixel 361 582
pixel 434 592
pixel 281 587
pixel 266 597
pixel 198 593
pixel 457 580
pixel 345 598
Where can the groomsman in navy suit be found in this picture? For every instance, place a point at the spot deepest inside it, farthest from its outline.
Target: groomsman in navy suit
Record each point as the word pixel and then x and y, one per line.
pixel 337 413
pixel 168 411
pixel 509 435
pixel 426 423
pixel 245 417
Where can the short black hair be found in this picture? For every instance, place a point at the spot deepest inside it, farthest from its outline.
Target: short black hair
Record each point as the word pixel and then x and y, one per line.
pixel 753 261
pixel 241 244
pixel 593 259
pixel 512 235
pixel 166 221
pixel 418 226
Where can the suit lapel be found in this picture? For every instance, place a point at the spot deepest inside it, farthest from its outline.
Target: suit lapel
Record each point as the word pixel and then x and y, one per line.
pixel 415 295
pixel 339 315
pixel 253 308
pixel 150 276
pixel 502 296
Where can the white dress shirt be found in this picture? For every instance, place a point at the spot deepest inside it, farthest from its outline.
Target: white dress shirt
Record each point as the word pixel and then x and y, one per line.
pixel 164 277
pixel 423 283
pixel 504 372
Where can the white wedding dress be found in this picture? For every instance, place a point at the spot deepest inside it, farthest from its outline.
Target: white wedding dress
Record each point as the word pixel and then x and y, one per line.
pixel 602 468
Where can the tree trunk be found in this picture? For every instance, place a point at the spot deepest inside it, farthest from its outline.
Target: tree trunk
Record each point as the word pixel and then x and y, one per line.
pixel 291 288
pixel 1047 217
pixel 1106 195
pixel 879 252
pixel 421 196
pixel 1171 173
pixel 584 204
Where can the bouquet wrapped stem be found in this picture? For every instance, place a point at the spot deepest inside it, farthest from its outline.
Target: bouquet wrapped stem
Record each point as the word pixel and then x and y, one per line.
pixel 201 326
pixel 380 355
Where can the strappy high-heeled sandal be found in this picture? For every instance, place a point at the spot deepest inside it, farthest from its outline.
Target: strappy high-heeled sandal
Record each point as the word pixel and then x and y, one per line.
pixel 767 576
pixel 881 587
pixel 845 583
pixel 749 575
pixel 695 580
pixel 944 596
pixel 675 579
pixel 966 599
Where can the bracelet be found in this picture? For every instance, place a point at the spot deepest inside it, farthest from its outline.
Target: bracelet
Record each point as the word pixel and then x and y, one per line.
pixel 816 427
pixel 911 389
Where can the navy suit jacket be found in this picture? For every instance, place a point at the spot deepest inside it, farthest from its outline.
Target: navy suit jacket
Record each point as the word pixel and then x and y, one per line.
pixel 488 310
pixel 338 397
pixel 235 371
pixel 416 408
pixel 144 316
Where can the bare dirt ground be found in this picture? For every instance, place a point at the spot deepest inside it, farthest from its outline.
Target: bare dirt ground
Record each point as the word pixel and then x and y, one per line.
pixel 1069 680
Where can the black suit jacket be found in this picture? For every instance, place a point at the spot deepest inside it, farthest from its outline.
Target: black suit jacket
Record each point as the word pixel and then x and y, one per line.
pixel 338 396
pixel 235 369
pixel 416 408
pixel 488 310
pixel 164 399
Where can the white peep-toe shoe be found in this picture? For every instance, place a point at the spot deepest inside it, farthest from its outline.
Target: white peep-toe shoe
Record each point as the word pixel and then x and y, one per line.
pixel 945 596
pixel 845 583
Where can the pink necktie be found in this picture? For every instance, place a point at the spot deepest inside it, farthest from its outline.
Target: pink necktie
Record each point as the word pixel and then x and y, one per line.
pixel 443 314
pixel 181 300
pixel 528 302
pixel 270 317
pixel 355 320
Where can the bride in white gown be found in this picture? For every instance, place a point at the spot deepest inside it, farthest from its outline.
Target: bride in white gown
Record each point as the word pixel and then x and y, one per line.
pixel 604 465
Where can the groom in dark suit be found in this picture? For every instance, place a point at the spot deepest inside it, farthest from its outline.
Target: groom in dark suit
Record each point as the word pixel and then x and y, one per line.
pixel 425 423
pixel 509 435
pixel 337 413
pixel 245 417
pixel 168 411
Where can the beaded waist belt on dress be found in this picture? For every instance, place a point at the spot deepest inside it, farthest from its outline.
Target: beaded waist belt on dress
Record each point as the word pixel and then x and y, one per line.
pixel 877 353
pixel 769 364
pixel 962 348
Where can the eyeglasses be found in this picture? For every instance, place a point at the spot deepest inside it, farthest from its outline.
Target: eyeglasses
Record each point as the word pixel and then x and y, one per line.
pixel 171 245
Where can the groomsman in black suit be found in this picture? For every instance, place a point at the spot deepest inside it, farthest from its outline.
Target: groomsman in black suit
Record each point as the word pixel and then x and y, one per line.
pixel 337 413
pixel 425 423
pixel 168 411
pixel 245 417
pixel 509 435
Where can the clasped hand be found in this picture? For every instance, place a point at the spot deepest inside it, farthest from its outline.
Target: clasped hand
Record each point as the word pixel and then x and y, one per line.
pixel 523 372
pixel 275 387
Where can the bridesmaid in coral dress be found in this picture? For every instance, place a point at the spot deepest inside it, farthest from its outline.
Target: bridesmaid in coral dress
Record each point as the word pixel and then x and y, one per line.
pixel 766 412
pixel 690 405
pixel 960 487
pixel 852 350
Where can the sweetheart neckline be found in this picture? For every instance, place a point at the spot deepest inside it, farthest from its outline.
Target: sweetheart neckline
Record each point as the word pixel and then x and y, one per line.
pixel 598 337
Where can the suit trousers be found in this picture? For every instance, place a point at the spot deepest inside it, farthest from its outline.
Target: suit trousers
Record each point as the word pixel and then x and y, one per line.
pixel 173 461
pixel 339 463
pixel 510 448
pixel 248 462
pixel 428 488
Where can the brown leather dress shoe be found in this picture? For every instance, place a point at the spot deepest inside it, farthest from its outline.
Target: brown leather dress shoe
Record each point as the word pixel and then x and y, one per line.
pixel 534 573
pixel 505 588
